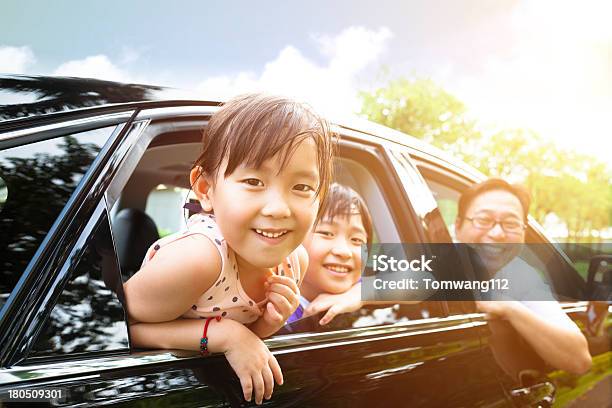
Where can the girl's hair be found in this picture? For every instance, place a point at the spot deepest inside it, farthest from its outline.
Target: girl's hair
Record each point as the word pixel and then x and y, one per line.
pixel 343 201
pixel 252 128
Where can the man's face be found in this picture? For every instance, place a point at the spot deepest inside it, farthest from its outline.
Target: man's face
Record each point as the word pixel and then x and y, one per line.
pixel 497 206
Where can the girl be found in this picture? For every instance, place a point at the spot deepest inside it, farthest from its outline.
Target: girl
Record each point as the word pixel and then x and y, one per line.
pixel 265 163
pixel 334 250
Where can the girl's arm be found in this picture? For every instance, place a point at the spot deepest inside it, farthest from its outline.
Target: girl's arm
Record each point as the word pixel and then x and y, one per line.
pixel 249 357
pixel 183 334
pixel 170 283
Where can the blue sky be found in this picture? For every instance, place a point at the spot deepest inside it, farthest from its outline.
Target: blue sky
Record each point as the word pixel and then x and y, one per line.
pixel 544 65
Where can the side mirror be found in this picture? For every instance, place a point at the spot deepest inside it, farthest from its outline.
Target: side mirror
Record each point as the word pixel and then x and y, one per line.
pixel 599 278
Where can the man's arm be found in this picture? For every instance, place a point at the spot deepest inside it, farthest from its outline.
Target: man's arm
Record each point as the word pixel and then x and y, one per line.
pixel 547 329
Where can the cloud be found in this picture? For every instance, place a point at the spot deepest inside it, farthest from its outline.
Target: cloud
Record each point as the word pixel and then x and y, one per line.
pixel 329 87
pixel 224 86
pixel 96 66
pixel 16 60
pixel 354 48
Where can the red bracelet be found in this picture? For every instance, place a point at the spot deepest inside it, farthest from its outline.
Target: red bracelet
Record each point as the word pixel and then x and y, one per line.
pixel 204 339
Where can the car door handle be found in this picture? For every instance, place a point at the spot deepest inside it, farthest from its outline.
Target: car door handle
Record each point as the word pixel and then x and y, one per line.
pixel 537 395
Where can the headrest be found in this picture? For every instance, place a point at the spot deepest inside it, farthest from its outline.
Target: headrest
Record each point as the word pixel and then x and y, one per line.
pixel 134 233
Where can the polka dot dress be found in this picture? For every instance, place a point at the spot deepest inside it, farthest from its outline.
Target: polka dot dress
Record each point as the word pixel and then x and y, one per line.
pixel 225 298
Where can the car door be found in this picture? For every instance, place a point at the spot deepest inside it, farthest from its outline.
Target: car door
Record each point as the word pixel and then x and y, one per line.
pixel 383 355
pixel 526 378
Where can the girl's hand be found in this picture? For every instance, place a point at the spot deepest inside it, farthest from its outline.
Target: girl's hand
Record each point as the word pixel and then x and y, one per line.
pixel 346 302
pixel 249 357
pixel 283 295
pixel 253 363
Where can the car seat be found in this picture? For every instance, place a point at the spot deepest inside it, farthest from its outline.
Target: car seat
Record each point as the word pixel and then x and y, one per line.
pixel 134 233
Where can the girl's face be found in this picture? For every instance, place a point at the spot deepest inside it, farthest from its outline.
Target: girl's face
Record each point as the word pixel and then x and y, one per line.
pixel 265 214
pixel 334 252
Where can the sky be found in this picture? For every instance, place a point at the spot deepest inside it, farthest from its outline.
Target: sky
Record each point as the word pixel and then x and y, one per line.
pixel 543 65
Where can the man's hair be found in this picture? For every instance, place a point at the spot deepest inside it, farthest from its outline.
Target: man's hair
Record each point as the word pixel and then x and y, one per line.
pixel 477 189
pixel 343 201
pixel 251 128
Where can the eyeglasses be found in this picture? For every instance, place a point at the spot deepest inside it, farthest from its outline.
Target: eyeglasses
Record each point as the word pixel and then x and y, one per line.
pixel 511 226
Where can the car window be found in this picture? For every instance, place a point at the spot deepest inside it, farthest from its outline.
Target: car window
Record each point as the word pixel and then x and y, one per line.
pixel 538 256
pixel 37 180
pixel 151 206
pixel 352 174
pixel 164 206
pixel 447 199
pixel 88 315
pixel 424 204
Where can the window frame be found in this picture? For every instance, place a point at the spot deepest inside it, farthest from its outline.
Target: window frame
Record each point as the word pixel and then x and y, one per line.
pixel 449 178
pixel 32 299
pixel 95 222
pixel 365 149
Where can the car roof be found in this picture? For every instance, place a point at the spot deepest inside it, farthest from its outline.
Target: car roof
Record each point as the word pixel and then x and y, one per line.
pixel 24 97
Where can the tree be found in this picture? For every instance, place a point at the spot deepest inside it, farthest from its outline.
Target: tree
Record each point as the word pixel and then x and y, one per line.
pixel 424 110
pixel 575 187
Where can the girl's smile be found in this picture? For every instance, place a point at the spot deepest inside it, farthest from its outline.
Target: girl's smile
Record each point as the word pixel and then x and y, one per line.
pixel 272 236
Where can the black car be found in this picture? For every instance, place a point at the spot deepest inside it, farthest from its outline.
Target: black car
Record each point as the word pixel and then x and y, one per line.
pixel 92 172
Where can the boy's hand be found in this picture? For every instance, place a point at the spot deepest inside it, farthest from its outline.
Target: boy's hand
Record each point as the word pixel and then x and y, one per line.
pixel 253 363
pixel 283 295
pixel 346 302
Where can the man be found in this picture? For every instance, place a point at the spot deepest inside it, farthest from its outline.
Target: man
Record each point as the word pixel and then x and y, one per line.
pixel 495 212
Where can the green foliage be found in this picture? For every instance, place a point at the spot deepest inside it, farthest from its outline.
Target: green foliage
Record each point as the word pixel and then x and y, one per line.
pixel 575 187
pixel 424 110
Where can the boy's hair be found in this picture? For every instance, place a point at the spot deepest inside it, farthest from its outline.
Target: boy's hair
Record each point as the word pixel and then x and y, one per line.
pixel 252 128
pixel 343 201
pixel 477 189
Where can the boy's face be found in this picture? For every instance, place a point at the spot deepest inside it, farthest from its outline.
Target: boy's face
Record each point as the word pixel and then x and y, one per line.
pixel 265 214
pixel 334 252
